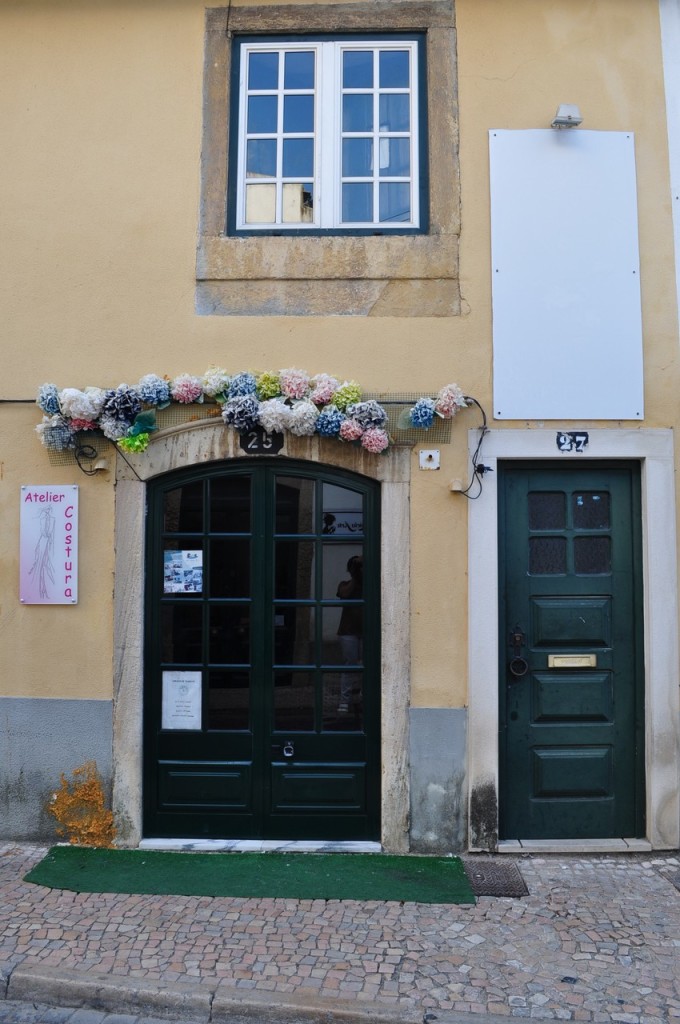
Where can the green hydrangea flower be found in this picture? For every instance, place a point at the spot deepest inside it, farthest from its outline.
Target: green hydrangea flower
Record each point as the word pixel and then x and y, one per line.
pixel 346 394
pixel 134 444
pixel 268 386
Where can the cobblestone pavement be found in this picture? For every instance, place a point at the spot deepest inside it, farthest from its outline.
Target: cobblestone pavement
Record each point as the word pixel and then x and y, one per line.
pixel 596 939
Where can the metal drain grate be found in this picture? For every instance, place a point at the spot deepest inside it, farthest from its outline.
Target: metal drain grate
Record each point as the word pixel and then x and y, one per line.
pixel 495 878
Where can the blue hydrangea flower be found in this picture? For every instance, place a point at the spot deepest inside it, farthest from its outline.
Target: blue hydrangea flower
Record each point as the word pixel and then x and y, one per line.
pixel 153 390
pixel 55 434
pixel 48 399
pixel 122 404
pixel 242 384
pixel 329 422
pixel 368 414
pixel 422 413
pixel 242 413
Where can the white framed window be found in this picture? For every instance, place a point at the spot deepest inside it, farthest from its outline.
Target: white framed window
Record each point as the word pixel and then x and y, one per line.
pixel 328 135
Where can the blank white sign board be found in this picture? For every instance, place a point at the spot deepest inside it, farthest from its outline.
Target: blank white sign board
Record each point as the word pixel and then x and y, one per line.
pixel 567 331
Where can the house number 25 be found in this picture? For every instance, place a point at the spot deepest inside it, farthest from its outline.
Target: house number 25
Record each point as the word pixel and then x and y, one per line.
pixel 257 442
pixel 572 441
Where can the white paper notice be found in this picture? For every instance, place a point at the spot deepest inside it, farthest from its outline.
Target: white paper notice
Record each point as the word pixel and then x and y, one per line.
pixel 181 700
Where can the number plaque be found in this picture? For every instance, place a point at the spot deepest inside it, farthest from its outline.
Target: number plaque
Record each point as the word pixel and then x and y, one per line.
pixel 258 442
pixel 572 440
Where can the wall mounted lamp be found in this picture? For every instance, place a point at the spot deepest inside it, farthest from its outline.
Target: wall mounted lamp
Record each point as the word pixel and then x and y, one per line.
pixel 568 116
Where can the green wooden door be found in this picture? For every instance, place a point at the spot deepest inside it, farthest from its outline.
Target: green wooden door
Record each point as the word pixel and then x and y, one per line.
pixel 571 684
pixel 262 692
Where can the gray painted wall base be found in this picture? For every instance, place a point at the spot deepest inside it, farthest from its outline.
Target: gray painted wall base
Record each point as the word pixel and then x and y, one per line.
pixel 438 738
pixel 40 739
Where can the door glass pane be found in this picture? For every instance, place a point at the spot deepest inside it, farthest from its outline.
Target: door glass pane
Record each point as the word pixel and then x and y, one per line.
pixel 228 700
pixel 182 567
pixel 261 158
pixel 342 511
pixel 592 555
pixel 395 158
pixel 394 69
pixel 182 634
pixel 547 555
pixel 294 701
pixel 230 504
pixel 263 71
pixel 298 114
pixel 395 113
pixel 229 568
pixel 343 708
pixel 298 203
pixel 395 201
pixel 591 510
pixel 298 158
pixel 183 509
pixel 357 112
pixel 547 510
pixel 294 572
pixel 357 69
pixel 343 568
pixel 230 634
pixel 294 635
pixel 357 202
pixel 298 70
pixel 357 158
pixel 294 505
pixel 260 204
pixel 262 112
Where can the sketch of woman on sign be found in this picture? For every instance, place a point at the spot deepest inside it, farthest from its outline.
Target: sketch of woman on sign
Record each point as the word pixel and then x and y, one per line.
pixel 43 568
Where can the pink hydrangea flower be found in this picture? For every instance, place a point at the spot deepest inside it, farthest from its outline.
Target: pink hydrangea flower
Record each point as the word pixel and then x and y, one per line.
pixel 186 388
pixel 79 424
pixel 449 400
pixel 294 383
pixel 350 430
pixel 324 387
pixel 375 440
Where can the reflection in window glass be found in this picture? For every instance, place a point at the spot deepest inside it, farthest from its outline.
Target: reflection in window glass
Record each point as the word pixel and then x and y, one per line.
pixel 591 510
pixel 298 158
pixel 230 504
pixel 395 160
pixel 182 634
pixel 394 69
pixel 342 572
pixel 298 202
pixel 357 69
pixel 261 158
pixel 228 700
pixel 260 204
pixel 263 70
pixel 298 114
pixel 294 570
pixel 357 157
pixel 294 636
pixel 229 568
pixel 262 114
pixel 592 555
pixel 395 113
pixel 395 201
pixel 343 707
pixel 230 634
pixel 357 202
pixel 294 505
pixel 183 509
pixel 299 70
pixel 547 556
pixel 357 112
pixel 294 701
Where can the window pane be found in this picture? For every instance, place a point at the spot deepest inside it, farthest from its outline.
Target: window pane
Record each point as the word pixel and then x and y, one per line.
pixel 230 568
pixel 342 511
pixel 294 572
pixel 357 202
pixel 230 634
pixel 263 71
pixel 182 568
pixel 298 203
pixel 394 69
pixel 298 158
pixel 294 635
pixel 357 158
pixel 547 510
pixel 260 204
pixel 230 504
pixel 395 113
pixel 395 201
pixel 592 555
pixel 182 634
pixel 357 69
pixel 262 112
pixel 261 158
pixel 298 114
pixel 342 572
pixel 293 701
pixel 357 112
pixel 183 509
pixel 294 505
pixel 342 701
pixel 395 159
pixel 298 72
pixel 591 510
pixel 228 700
pixel 547 556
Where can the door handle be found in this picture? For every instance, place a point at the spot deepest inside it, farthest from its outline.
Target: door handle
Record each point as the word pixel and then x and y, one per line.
pixel 518 666
pixel 287 749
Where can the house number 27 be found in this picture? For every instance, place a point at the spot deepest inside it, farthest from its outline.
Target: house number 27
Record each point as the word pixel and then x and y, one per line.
pixel 572 441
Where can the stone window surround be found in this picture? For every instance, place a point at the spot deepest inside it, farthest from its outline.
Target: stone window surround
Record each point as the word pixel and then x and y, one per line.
pixel 207 442
pixel 376 275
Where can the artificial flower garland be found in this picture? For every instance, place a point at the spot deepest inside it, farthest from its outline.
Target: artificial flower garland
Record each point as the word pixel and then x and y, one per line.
pixel 288 400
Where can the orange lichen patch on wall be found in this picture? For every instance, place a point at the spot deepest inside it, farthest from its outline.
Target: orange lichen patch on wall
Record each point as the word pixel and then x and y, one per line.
pixel 79 807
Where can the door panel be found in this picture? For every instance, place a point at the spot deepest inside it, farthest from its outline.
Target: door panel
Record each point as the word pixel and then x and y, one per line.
pixel 571 689
pixel 258 723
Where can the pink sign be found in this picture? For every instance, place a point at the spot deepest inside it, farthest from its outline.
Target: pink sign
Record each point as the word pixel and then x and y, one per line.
pixel 48 569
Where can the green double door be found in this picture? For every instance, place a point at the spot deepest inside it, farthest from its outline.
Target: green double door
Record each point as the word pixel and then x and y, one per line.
pixel 571 671
pixel 262 690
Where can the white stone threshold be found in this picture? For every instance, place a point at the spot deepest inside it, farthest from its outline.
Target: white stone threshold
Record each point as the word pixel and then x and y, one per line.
pixel 574 846
pixel 258 846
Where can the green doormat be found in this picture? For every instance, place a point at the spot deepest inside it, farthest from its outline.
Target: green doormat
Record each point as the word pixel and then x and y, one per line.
pixel 339 876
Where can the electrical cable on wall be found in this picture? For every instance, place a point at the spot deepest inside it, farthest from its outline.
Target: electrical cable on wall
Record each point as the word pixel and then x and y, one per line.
pixel 478 468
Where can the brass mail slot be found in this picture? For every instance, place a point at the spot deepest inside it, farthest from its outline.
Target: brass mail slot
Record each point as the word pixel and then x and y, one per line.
pixel 572 661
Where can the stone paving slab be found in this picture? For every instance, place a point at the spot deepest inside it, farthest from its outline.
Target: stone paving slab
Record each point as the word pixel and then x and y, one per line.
pixel 597 939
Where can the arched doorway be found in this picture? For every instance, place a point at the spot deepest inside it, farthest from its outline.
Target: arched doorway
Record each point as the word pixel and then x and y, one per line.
pixel 262 653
